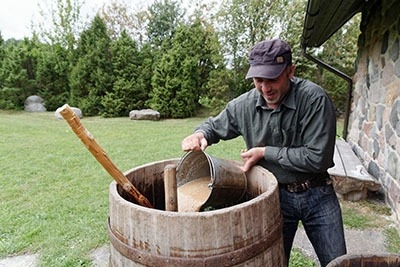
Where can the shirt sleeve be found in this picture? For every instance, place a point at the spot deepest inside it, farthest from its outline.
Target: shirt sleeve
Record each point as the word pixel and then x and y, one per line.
pixel 317 133
pixel 221 127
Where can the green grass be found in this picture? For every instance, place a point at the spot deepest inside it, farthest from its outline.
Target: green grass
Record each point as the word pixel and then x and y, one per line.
pixel 297 259
pixel 393 239
pixel 371 214
pixel 365 214
pixel 339 128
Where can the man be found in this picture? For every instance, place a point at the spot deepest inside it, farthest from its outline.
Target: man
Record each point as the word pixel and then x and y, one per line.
pixel 289 127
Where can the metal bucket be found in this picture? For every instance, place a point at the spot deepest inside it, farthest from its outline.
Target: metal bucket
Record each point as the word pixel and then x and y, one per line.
pixel 228 182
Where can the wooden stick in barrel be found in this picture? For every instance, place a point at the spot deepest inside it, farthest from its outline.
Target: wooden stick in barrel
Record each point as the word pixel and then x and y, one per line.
pixel 170 188
pixel 101 156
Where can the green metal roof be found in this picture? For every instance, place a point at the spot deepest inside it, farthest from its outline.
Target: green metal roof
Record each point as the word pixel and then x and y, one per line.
pixel 325 17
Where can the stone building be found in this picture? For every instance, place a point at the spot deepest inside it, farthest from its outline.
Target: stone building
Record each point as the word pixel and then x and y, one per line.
pixel 373 116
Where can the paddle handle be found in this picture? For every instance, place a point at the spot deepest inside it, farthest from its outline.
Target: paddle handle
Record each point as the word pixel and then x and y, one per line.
pixel 101 156
pixel 170 188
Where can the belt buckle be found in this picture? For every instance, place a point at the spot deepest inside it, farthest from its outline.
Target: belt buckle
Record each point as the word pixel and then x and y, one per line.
pixel 306 185
pixel 299 187
pixel 291 188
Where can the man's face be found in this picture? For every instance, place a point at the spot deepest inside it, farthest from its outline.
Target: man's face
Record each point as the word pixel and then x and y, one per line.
pixel 274 90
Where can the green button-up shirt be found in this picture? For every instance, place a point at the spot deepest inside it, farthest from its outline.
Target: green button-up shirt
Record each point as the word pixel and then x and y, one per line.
pixel 299 136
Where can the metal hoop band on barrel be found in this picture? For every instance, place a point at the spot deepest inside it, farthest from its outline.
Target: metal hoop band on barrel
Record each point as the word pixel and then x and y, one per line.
pixel 226 259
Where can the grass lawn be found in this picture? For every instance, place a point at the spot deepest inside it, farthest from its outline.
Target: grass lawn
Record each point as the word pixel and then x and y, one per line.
pixel 54 194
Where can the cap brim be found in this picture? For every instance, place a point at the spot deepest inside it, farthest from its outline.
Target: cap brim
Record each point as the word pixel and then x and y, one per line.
pixel 265 71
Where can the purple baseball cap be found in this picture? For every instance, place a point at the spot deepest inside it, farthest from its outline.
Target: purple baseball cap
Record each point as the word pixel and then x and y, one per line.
pixel 268 59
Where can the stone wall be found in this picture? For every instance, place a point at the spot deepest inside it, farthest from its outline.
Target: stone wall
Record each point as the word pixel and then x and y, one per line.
pixel 374 124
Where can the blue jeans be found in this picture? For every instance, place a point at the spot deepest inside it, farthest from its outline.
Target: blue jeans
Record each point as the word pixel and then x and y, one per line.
pixel 319 211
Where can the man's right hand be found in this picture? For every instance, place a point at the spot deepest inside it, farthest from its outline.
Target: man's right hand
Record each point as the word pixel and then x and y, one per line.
pixel 194 142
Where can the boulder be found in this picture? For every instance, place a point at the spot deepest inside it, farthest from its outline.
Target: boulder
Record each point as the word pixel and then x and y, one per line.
pixel 77 112
pixel 34 103
pixel 144 114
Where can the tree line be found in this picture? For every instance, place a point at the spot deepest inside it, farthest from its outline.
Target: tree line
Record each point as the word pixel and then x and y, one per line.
pixel 163 57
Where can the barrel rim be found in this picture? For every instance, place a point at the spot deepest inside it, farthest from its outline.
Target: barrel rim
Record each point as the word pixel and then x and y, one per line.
pixel 113 191
pixel 166 161
pixel 365 257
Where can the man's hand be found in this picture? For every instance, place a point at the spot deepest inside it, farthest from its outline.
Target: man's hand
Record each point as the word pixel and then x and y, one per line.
pixel 194 142
pixel 251 157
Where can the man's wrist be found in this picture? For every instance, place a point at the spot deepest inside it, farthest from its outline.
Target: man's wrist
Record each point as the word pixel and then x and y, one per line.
pixel 201 132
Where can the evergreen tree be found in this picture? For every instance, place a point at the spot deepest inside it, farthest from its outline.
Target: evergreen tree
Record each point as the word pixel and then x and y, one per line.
pixel 174 81
pixel 52 75
pixel 17 73
pixel 2 54
pixel 125 94
pixel 181 77
pixel 145 73
pixel 213 84
pixel 91 77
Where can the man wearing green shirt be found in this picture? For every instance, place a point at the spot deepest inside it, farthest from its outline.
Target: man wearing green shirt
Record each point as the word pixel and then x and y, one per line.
pixel 289 127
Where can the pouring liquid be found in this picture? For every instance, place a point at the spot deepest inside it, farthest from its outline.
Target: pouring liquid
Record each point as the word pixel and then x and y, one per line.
pixel 193 194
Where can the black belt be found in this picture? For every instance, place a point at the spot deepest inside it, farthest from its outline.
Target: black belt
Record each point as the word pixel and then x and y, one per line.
pixel 302 186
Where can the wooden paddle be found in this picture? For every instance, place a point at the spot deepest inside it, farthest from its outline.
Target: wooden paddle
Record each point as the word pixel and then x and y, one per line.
pixel 101 156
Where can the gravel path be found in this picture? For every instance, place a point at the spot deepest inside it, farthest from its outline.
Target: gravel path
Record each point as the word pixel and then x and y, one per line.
pixel 20 261
pixel 357 242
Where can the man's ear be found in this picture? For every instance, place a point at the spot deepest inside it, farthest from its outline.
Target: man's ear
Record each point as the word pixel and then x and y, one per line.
pixel 291 70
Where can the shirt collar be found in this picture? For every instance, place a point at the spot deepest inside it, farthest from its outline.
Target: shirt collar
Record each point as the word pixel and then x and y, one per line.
pixel 289 100
pixel 260 104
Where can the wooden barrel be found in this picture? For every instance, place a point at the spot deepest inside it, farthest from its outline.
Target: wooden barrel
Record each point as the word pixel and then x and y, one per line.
pixel 246 234
pixel 382 260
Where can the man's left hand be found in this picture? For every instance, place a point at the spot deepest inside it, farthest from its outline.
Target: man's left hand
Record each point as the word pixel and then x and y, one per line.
pixel 251 157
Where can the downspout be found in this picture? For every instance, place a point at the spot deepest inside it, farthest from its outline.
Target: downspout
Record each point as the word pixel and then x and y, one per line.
pixel 341 75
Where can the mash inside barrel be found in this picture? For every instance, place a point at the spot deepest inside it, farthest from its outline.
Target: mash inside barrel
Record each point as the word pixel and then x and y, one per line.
pixel 205 182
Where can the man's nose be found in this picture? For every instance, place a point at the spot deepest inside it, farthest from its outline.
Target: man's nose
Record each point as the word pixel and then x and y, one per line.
pixel 265 84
